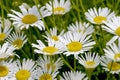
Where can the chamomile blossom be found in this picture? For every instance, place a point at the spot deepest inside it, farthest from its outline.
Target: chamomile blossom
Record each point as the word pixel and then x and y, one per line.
pixel 25 70
pixel 7 70
pixel 76 75
pixel 90 60
pixel 6 50
pixel 109 65
pixel 99 16
pixel 58 7
pixel 76 43
pixel 43 75
pixel 81 27
pixel 50 49
pixel 48 65
pixel 53 34
pixel 29 17
pixel 5 29
pixel 113 51
pixel 113 27
pixel 17 39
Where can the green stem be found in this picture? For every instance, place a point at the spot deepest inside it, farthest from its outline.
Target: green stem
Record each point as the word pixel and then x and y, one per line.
pixel 117 4
pixel 53 16
pixel 102 39
pixel 24 53
pixel 74 64
pixel 62 23
pixel 99 39
pixel 89 77
pixel 81 3
pixel 76 7
pixel 3 6
pixel 2 10
pixel 119 76
pixel 89 72
pixel 108 74
pixel 31 40
pixel 102 33
pixel 78 10
pixel 66 62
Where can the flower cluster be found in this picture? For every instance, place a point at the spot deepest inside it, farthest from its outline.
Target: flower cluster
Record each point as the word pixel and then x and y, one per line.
pixel 32 47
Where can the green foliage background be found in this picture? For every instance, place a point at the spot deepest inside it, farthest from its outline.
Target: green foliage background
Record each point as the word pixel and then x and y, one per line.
pixel 79 7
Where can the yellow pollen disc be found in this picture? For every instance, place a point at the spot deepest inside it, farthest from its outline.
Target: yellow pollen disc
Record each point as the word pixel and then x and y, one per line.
pixel 117 31
pixel 79 30
pixel 29 19
pixel 22 75
pixel 45 76
pixel 59 9
pixel 49 65
pixel 74 46
pixel 99 19
pixel 2 36
pixel 50 50
pixel 3 71
pixel 90 63
pixel 18 43
pixel 55 38
pixel 117 56
pixel 113 66
pixel 1 59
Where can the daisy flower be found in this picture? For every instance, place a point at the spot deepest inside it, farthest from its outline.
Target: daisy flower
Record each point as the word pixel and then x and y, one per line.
pixel 110 65
pixel 76 75
pixel 6 50
pixel 99 16
pixel 49 65
pixel 28 17
pixel 54 34
pixel 43 75
pixel 113 51
pixel 81 27
pixel 17 39
pixel 58 7
pixel 113 27
pixel 50 49
pixel 5 30
pixel 7 70
pixel 25 70
pixel 90 60
pixel 76 43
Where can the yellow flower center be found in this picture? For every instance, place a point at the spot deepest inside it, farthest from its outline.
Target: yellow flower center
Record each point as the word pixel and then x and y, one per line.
pixel 117 56
pixel 113 66
pixel 1 59
pixel 2 36
pixel 18 43
pixel 90 63
pixel 49 65
pixel 74 46
pixel 79 30
pixel 50 50
pixel 55 38
pixel 99 19
pixel 45 76
pixel 29 19
pixel 59 9
pixel 22 75
pixel 3 71
pixel 117 31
